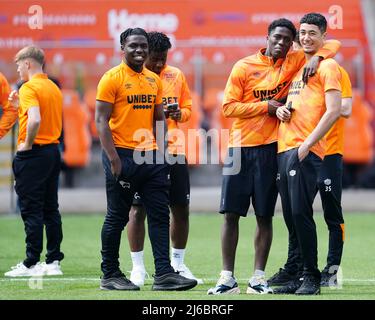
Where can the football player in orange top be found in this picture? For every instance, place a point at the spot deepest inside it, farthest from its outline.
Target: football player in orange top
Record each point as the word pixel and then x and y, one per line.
pixel 175 93
pixel 310 112
pixel 36 165
pixel 330 185
pixel 9 116
pixel 128 104
pixel 330 188
pixel 253 88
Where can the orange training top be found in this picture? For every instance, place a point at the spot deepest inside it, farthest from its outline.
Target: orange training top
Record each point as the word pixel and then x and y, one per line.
pixel 176 90
pixel 133 96
pixel 41 92
pixel 10 114
pixel 308 102
pixel 335 136
pixel 253 81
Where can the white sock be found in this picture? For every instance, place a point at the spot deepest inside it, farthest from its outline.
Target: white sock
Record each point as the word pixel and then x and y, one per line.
pixel 137 259
pixel 259 273
pixel 177 257
pixel 226 273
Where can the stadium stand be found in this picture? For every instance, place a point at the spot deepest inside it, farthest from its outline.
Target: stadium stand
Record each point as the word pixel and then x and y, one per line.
pixel 192 150
pixel 89 99
pixel 5 161
pixel 358 142
pixel 76 135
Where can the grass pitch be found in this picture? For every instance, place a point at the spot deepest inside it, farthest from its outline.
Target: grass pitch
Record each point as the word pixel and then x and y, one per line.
pixel 81 266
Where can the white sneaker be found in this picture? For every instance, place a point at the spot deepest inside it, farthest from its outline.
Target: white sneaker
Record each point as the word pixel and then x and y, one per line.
pixel 225 285
pixel 20 270
pixel 184 271
pixel 258 285
pixel 138 276
pixel 52 269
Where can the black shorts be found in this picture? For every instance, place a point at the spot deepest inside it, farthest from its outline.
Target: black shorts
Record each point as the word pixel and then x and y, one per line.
pixel 179 192
pixel 256 181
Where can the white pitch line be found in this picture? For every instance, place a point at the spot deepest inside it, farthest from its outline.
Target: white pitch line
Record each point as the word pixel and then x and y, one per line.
pixel 147 280
pixel 48 279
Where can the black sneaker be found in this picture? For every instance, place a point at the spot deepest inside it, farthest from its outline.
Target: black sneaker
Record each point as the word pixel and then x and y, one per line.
pixel 290 288
pixel 310 286
pixel 117 282
pixel 281 278
pixel 173 281
pixel 328 279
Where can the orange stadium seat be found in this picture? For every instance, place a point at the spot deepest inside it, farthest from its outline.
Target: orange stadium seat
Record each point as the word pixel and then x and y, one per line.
pixel 90 99
pixel 76 133
pixel 226 125
pixel 218 121
pixel 193 152
pixel 358 132
pixel 212 98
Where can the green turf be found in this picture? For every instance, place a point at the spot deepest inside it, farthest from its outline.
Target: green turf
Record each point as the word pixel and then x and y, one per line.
pixel 81 265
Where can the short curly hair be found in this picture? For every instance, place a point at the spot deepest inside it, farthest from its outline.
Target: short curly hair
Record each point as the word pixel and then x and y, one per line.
pixel 159 42
pixel 317 19
pixel 282 23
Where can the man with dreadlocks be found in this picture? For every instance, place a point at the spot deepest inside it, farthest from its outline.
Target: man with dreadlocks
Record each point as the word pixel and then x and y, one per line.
pixel 175 92
pixel 129 101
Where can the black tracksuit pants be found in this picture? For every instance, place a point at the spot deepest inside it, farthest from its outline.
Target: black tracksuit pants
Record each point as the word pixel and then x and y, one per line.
pixel 152 183
pixel 36 172
pixel 297 184
pixel 330 189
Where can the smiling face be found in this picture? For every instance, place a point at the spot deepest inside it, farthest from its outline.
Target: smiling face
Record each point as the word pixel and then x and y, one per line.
pixel 156 61
pixel 311 38
pixel 135 51
pixel 279 42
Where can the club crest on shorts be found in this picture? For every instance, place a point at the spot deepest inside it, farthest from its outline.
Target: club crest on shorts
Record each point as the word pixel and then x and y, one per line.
pixel 124 184
pixel 327 182
pixel 292 173
pixel 278 176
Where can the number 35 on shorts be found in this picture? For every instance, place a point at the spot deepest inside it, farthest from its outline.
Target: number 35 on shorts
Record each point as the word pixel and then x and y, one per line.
pixel 327 185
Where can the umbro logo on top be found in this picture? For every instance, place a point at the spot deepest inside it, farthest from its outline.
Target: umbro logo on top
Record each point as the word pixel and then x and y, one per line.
pixel 149 79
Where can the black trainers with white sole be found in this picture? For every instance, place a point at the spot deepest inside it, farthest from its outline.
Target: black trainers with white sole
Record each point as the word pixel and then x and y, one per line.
pixel 290 288
pixel 173 281
pixel 281 278
pixel 328 279
pixel 310 285
pixel 119 282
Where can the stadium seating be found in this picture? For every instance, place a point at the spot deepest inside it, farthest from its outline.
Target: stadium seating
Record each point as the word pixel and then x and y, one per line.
pixel 194 123
pixel 89 99
pixel 358 133
pixel 76 134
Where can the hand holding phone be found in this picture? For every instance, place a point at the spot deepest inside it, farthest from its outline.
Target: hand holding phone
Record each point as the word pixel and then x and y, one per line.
pixel 174 111
pixel 172 106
